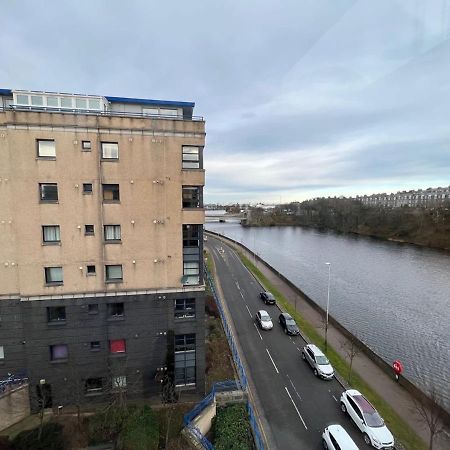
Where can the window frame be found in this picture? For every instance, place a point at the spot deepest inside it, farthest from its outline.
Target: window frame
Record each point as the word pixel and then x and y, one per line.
pixel 88 233
pixel 123 345
pixel 85 147
pixel 95 390
pixel 92 310
pixel 113 280
pixel 51 242
pixel 89 272
pixel 49 157
pixel 112 309
pixel 95 348
pixel 59 359
pixel 2 352
pixel 114 228
pixel 106 158
pixel 47 270
pixel 186 162
pixel 57 319
pixel 184 308
pixel 185 348
pixel 193 201
pixel 41 192
pixel 111 187
pixel 87 191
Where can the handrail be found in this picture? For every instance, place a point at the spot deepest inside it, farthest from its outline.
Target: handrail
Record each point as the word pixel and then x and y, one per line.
pixel 100 113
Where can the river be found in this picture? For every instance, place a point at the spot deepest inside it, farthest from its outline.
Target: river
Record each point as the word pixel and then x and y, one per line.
pixel 394 297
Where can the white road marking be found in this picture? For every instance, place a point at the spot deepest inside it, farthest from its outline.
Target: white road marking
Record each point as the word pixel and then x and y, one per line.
pixel 237 285
pixel 298 349
pixel 335 399
pixel 293 387
pixel 258 331
pixel 249 311
pixel 242 295
pixel 276 368
pixel 295 406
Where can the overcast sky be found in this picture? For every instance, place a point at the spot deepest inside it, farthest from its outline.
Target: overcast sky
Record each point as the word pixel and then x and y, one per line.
pixel 302 98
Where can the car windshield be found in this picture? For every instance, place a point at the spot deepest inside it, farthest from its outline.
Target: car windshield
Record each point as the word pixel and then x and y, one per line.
pixel 290 322
pixel 322 360
pixel 265 317
pixel 373 419
pixel 270 296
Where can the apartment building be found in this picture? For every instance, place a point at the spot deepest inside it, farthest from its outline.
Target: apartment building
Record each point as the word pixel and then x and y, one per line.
pixel 101 218
pixel 425 198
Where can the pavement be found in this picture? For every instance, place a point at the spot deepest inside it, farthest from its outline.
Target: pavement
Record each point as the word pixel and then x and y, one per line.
pixel 278 377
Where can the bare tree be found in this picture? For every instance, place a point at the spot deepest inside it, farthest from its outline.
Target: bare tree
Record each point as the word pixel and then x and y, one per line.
pixel 432 415
pixel 351 349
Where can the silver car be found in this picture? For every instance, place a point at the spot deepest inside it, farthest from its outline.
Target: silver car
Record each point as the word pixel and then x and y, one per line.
pixel 263 319
pixel 318 361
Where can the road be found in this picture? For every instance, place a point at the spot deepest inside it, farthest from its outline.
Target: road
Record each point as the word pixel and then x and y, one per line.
pixel 294 405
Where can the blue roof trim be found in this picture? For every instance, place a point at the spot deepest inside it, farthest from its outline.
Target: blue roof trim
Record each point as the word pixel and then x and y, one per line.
pixel 145 101
pixel 5 92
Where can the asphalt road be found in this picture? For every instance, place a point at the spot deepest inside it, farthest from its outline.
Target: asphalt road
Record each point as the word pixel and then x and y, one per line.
pixel 293 404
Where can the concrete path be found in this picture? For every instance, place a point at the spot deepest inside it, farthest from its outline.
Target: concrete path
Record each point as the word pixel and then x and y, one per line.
pixel 394 394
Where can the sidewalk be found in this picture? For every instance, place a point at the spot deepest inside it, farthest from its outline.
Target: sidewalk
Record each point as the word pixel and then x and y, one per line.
pixel 395 395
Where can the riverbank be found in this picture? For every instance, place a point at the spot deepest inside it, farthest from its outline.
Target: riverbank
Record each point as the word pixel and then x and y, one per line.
pixel 371 371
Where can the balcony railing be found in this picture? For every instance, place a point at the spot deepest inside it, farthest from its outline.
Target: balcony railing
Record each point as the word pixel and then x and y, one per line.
pixel 108 113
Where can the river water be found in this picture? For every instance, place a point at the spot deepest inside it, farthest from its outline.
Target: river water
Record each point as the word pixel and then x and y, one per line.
pixel 394 297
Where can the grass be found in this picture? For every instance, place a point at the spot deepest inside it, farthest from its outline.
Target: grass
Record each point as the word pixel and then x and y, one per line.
pixel 396 424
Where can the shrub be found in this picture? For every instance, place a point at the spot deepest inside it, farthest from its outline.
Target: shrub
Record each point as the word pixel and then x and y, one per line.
pixel 51 438
pixel 232 428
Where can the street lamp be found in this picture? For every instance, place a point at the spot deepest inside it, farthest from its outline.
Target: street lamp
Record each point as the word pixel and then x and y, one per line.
pixel 328 305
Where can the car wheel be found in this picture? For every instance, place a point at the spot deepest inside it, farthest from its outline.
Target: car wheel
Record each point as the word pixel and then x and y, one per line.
pixel 316 373
pixel 325 445
pixel 303 356
pixel 343 408
pixel 367 439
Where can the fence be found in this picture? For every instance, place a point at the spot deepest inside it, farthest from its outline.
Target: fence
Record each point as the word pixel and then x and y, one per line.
pixel 13 381
pixel 224 385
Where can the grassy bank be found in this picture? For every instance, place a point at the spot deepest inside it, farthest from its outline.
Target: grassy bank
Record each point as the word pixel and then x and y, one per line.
pixel 399 428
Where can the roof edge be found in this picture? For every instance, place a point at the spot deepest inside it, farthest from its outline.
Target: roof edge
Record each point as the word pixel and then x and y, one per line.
pixel 147 101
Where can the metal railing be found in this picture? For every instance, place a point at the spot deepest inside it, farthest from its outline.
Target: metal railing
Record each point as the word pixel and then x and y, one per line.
pixel 12 381
pixel 90 112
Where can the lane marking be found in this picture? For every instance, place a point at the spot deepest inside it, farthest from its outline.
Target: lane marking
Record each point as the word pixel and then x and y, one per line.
pixel 258 331
pixel 298 349
pixel 242 295
pixel 249 311
pixel 237 285
pixel 295 406
pixel 293 387
pixel 276 368
pixel 335 399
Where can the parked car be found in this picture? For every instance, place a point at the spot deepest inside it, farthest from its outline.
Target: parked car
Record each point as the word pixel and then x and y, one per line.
pixel 367 419
pixel 263 320
pixel 334 437
pixel 318 362
pixel 267 298
pixel 288 324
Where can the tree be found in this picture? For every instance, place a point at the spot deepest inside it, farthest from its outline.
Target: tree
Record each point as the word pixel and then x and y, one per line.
pixel 351 349
pixel 432 415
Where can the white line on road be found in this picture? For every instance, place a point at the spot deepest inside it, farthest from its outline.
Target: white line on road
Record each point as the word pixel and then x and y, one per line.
pixel 276 368
pixel 293 387
pixel 295 406
pixel 335 399
pixel 258 331
pixel 249 311
pixel 242 295
pixel 237 285
pixel 298 349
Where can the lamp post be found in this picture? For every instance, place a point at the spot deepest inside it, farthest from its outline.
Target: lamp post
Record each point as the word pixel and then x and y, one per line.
pixel 328 305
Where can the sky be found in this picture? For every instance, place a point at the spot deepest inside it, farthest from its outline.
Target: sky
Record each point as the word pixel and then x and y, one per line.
pixel 302 98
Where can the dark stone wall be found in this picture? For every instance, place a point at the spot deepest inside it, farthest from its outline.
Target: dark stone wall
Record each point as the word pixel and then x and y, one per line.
pixel 147 321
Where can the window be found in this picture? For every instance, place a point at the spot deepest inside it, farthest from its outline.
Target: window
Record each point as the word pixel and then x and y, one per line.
pixel 191 254
pixel 52 102
pixel 22 99
pixel 89 230
pixel 334 442
pixel 191 157
pixel 81 103
pixel 94 103
pixel 119 382
pixel 114 273
pixel 93 308
pixel 87 188
pixel 95 345
pixel 111 193
pixel 191 273
pixel 169 112
pixel 115 309
pixel 191 197
pixel 56 314
pixel 37 100
pixel 48 192
pixel 184 308
pixel 2 353
pixel 110 150
pixel 51 234
pixel 117 346
pixel 53 275
pixel 59 352
pixel 90 270
pixel 66 102
pixel 184 359
pixel 86 145
pixel 191 235
pixel 150 111
pixel 93 385
pixel 46 148
pixel 112 233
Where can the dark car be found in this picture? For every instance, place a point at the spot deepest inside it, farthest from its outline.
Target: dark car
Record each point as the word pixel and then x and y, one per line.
pixel 267 298
pixel 288 324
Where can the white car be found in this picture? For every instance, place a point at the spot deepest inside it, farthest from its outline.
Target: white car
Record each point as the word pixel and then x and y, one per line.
pixel 367 419
pixel 334 437
pixel 263 320
pixel 318 362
